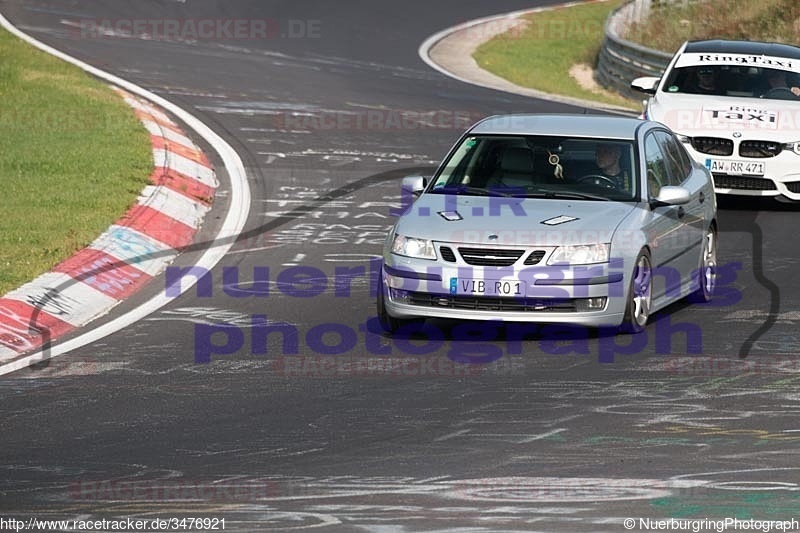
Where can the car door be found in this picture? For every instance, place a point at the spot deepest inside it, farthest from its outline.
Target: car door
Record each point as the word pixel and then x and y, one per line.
pixel 680 170
pixel 666 229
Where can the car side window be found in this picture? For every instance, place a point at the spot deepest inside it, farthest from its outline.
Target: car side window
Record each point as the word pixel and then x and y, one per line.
pixel 677 171
pixel 686 159
pixel 656 166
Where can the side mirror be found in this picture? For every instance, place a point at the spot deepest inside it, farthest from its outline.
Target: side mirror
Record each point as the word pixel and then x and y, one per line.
pixel 413 184
pixel 672 195
pixel 646 84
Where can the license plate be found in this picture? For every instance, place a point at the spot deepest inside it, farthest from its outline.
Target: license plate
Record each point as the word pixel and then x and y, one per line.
pixel 728 166
pixel 486 287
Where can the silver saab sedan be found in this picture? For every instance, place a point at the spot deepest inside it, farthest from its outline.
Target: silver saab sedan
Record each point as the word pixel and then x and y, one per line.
pixel 577 219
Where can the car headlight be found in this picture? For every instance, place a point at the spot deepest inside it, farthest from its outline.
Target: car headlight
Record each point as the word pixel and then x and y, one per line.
pixel 412 247
pixel 684 138
pixel 582 254
pixel 794 147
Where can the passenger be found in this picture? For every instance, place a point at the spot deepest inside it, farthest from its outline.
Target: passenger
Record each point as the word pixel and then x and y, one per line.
pixel 706 82
pixel 777 81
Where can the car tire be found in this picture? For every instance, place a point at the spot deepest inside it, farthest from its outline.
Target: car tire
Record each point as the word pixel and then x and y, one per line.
pixel 640 295
pixel 706 274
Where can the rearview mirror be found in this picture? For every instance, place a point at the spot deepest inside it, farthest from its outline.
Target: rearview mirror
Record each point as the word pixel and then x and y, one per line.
pixel 645 84
pixel 673 195
pixel 413 184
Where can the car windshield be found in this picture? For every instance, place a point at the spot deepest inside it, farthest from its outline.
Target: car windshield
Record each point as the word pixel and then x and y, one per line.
pixel 740 81
pixel 541 167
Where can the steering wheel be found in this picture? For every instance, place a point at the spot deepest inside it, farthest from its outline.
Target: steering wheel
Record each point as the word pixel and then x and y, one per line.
pixel 784 92
pixel 598 179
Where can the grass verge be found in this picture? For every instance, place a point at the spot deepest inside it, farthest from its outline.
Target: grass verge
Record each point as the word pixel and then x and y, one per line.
pixel 541 53
pixel 669 25
pixel 73 159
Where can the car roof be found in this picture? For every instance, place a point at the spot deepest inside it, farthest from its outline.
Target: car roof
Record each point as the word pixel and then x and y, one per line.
pixel 600 126
pixel 721 46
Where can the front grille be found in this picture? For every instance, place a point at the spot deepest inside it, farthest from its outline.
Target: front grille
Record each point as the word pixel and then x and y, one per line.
pixel 489 256
pixel 493 303
pixel 794 186
pixel 759 148
pixel 534 257
pixel 447 254
pixel 724 181
pixel 712 145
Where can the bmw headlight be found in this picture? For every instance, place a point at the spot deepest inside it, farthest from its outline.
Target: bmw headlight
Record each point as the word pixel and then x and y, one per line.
pixel 582 254
pixel 794 147
pixel 412 247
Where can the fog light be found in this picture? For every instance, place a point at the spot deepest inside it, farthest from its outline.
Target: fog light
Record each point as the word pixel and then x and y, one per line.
pixel 592 304
pixel 398 296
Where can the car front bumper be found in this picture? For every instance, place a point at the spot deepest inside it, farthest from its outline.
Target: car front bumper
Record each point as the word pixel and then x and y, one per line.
pixel 592 295
pixel 780 178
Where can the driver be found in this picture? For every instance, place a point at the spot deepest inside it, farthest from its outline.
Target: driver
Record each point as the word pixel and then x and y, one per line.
pixel 607 156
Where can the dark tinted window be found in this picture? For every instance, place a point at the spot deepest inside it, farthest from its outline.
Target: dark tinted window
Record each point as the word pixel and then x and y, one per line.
pixel 676 165
pixel 541 167
pixel 656 166
pixel 741 81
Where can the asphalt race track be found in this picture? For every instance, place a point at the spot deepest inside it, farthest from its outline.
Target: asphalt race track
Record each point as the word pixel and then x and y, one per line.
pixel 261 402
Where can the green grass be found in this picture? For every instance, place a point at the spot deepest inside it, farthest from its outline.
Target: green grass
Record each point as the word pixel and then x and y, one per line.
pixel 766 20
pixel 73 158
pixel 541 55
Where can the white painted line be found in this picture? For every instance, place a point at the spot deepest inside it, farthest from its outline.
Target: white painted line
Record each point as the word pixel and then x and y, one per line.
pixel 298 258
pixel 258 249
pixel 231 226
pixel 150 110
pixel 174 205
pixel 543 435
pixel 187 167
pixel 7 353
pixel 425 48
pixel 58 295
pixel 452 435
pixel 160 158
pixel 432 479
pixel 170 135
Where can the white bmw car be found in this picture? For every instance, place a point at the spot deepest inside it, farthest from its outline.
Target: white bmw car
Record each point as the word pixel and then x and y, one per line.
pixel 736 107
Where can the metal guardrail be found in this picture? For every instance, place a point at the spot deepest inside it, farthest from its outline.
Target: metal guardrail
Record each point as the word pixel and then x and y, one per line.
pixel 621 61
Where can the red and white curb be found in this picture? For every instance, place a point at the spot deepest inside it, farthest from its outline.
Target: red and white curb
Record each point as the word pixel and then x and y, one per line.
pixel 139 246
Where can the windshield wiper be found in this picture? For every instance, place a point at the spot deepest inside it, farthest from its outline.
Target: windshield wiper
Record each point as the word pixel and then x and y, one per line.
pixel 567 195
pixel 478 191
